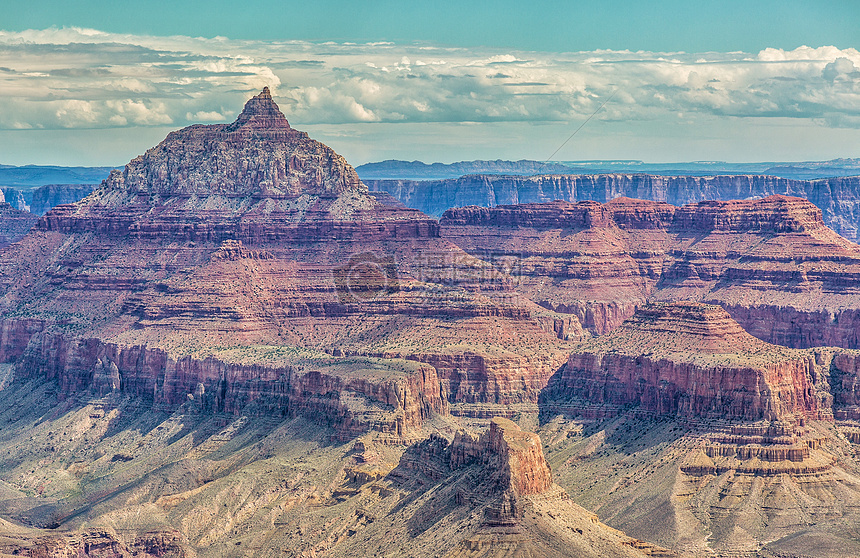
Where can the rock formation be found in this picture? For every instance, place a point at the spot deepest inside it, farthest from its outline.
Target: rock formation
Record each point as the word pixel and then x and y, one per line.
pixel 516 509
pixel 108 477
pixel 692 359
pixel 252 234
pixel 772 263
pixel 838 198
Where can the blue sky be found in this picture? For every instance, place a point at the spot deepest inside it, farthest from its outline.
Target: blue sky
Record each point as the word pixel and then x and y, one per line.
pixel 669 25
pixel 96 83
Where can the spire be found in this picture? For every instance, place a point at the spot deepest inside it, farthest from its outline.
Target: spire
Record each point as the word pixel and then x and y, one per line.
pixel 260 112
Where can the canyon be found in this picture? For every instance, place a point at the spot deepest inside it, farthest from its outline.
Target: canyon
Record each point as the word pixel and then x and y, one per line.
pixel 772 263
pixel 233 347
pixel 186 483
pixel 246 267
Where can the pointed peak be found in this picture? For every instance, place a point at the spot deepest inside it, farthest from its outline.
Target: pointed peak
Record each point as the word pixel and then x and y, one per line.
pixel 261 112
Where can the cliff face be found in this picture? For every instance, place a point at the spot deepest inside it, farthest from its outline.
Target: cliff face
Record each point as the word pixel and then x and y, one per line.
pixel 846 389
pixel 152 484
pixel 772 263
pixel 518 458
pixel 729 430
pixel 352 395
pixel 693 360
pixel 838 198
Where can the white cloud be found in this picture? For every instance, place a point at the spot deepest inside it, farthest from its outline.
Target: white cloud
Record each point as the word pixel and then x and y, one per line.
pixel 842 66
pixel 79 78
pixel 206 116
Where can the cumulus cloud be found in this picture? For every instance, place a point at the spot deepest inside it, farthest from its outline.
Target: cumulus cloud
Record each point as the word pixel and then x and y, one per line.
pixel 84 78
pixel 840 67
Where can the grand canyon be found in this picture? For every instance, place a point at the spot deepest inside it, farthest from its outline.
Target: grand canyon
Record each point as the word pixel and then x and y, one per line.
pixel 234 347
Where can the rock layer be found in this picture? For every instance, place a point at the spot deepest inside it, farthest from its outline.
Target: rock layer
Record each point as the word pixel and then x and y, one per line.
pixel 772 263
pixel 251 234
pixel 352 395
pixel 694 360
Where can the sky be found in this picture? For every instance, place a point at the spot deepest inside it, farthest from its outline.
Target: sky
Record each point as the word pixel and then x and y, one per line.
pixel 95 83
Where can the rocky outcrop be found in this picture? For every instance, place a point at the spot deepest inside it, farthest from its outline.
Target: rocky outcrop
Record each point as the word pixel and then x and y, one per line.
pixel 503 474
pixel 763 449
pixel 726 435
pixel 511 457
pixel 259 154
pixel 838 198
pixel 845 373
pixel 772 263
pixel 334 391
pixel 518 457
pixel 693 360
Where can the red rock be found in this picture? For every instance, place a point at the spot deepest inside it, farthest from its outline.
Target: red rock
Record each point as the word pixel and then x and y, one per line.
pixel 846 387
pixel 694 360
pixel 321 387
pixel 772 263
pixel 511 457
pixel 253 234
pixel 503 476
pixel 519 457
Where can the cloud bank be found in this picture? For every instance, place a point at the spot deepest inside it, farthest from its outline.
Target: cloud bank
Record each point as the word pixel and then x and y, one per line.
pixel 73 78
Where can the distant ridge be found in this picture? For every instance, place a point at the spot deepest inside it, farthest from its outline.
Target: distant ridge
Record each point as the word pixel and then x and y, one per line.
pixel 417 170
pixel 838 197
pixel 412 170
pixel 32 176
